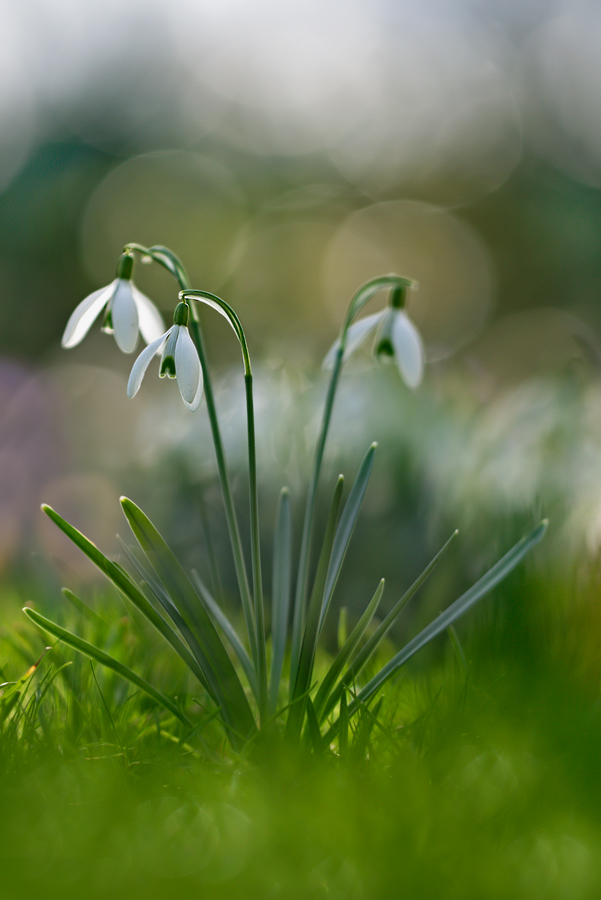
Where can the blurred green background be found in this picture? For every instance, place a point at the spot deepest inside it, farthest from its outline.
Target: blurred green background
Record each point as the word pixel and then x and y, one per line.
pixel 287 154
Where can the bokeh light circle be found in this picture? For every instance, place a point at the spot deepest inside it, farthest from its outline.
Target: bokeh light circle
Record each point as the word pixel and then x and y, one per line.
pixel 186 201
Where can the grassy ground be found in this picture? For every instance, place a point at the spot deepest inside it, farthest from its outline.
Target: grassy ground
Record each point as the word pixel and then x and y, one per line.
pixel 477 785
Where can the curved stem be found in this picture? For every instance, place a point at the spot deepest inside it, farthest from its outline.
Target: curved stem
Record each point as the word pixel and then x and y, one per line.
pixel 304 561
pixel 230 512
pixel 166 258
pixel 256 551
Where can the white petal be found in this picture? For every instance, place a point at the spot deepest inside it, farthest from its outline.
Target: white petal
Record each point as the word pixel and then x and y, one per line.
pixel 408 349
pixel 84 314
pixel 187 369
pixel 142 363
pixel 124 314
pixel 197 396
pixel 357 333
pixel 151 321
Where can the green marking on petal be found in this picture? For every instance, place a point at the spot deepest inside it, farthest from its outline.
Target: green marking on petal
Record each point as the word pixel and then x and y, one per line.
pixel 385 348
pixel 107 324
pixel 167 367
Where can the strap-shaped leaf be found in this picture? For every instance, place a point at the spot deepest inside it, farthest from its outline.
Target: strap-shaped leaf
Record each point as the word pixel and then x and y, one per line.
pixel 302 682
pixel 82 607
pixel 154 591
pixel 280 591
pixel 345 529
pixel 106 660
pixel 127 586
pixel 346 652
pixel 382 630
pixel 482 587
pixel 223 680
pixel 228 629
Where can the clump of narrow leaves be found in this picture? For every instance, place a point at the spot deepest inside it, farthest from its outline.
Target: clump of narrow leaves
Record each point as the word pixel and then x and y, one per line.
pixel 259 683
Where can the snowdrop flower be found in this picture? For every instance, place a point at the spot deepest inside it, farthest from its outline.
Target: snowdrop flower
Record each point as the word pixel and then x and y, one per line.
pixel 396 337
pixel 179 359
pixel 127 310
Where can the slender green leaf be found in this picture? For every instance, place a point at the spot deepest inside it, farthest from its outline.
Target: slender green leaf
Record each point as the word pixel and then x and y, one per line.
pixel 345 529
pixel 342 630
pixel 311 635
pixel 382 630
pixel 161 601
pixel 482 587
pixel 82 607
pixel 313 733
pixel 368 718
pixel 127 586
pixel 228 629
pixel 346 652
pixel 343 726
pixel 223 680
pixel 280 603
pixel 104 659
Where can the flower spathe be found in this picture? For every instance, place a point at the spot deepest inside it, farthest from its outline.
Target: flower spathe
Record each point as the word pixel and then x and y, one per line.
pixel 127 311
pixel 396 336
pixel 179 360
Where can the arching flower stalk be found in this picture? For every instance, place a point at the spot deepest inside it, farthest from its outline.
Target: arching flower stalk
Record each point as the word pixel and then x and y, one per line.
pixel 396 336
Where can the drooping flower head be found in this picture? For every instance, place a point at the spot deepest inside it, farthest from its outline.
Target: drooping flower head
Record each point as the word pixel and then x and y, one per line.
pixel 127 311
pixel 179 360
pixel 396 337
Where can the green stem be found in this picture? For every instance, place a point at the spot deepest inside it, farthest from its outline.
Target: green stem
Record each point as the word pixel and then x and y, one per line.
pixel 166 258
pixel 300 601
pixel 256 551
pixel 230 513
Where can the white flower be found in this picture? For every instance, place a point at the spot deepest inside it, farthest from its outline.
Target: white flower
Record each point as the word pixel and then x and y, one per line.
pixel 396 336
pixel 179 360
pixel 127 311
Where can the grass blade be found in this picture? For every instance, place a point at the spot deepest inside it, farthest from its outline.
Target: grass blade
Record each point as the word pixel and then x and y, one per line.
pixel 104 659
pixel 280 603
pixel 345 529
pixel 223 680
pixel 312 732
pixel 343 727
pixel 482 587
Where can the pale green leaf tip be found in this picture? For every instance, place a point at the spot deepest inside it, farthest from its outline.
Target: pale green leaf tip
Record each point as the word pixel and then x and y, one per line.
pixel 45 508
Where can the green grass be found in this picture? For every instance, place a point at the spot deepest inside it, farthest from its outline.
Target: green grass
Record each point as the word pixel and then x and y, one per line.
pixel 485 786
